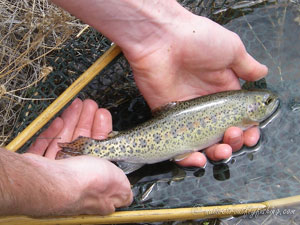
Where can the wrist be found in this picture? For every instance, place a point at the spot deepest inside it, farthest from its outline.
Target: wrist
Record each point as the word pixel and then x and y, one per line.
pixel 138 27
pixel 150 28
pixel 50 190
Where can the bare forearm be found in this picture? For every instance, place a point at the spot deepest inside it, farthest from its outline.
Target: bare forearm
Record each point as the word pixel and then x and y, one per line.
pixel 26 187
pixel 131 24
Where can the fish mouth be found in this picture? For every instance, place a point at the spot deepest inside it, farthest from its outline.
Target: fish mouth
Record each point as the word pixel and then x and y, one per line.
pixel 275 106
pixel 274 112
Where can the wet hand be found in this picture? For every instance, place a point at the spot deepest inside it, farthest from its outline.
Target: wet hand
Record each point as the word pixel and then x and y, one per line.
pixel 196 57
pixel 81 118
pixel 99 186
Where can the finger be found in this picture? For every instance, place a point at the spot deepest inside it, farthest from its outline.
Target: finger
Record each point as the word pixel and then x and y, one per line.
pixel 123 195
pixel 197 159
pixel 70 117
pixel 102 125
pixel 46 137
pixel 123 199
pixel 247 68
pixel 86 119
pixel 218 152
pixel 234 137
pixel 251 136
pixel 108 209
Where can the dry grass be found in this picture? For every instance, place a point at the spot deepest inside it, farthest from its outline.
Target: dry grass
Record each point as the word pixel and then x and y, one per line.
pixel 30 31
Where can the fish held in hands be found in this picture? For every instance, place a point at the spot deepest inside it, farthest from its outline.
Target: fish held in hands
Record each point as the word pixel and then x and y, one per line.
pixel 178 129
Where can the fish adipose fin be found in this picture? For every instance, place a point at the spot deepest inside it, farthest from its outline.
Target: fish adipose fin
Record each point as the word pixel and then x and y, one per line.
pixel 73 148
pixel 159 110
pixel 129 167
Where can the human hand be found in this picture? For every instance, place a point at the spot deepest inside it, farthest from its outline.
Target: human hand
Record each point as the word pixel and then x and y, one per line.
pixel 94 185
pixel 175 55
pixel 195 57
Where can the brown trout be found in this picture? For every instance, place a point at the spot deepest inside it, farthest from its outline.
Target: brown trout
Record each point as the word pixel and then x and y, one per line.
pixel 179 128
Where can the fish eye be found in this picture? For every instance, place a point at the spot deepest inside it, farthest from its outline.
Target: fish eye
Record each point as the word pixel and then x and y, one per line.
pixel 268 101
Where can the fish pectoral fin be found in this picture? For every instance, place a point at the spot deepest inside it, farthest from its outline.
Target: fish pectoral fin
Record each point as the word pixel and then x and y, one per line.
pixel 159 110
pixel 129 167
pixel 181 157
pixel 248 122
pixel 112 134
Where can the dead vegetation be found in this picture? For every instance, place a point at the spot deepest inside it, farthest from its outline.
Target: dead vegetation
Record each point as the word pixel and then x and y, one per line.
pixel 30 31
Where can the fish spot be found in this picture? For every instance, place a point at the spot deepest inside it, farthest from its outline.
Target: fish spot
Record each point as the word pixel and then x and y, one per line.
pixel 155 126
pixel 127 140
pixel 157 138
pixel 181 125
pixel 106 154
pixel 214 119
pixel 174 133
pixel 202 123
pixel 143 143
pixel 122 148
pixel 112 149
pixel 190 125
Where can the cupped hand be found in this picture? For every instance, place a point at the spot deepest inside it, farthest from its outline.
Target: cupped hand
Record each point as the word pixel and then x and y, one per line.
pixel 195 57
pixel 99 186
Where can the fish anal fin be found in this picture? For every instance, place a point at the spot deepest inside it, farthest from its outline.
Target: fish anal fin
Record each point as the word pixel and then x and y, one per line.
pixel 182 156
pixel 129 167
pixel 159 110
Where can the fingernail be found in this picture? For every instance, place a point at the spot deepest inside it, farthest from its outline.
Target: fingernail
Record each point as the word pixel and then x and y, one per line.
pixel 75 101
pixel 75 104
pixel 203 167
pixel 101 137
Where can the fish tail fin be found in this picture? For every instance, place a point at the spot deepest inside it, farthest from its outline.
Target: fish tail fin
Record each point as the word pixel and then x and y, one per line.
pixel 73 148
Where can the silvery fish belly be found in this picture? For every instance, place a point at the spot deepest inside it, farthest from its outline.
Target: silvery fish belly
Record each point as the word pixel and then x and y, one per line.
pixel 179 128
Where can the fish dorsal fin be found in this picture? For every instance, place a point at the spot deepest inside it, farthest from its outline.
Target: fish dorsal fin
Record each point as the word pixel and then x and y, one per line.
pixel 112 134
pixel 129 167
pixel 259 84
pixel 159 110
